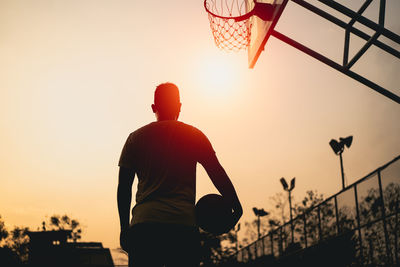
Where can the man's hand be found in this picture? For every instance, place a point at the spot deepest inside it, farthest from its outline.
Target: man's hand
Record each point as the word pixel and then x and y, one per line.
pixel 237 213
pixel 124 197
pixel 224 185
pixel 124 240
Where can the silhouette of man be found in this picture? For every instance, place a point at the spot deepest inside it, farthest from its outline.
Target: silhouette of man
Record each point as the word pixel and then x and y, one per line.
pixel 164 155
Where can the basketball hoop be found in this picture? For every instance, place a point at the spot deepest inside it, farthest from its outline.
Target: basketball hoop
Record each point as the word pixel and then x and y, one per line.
pixel 230 21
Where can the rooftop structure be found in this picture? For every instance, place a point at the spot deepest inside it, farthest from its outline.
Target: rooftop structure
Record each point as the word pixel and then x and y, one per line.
pixel 51 248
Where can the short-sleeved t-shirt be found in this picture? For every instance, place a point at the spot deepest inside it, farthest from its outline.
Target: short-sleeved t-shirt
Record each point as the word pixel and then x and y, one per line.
pixel 164 155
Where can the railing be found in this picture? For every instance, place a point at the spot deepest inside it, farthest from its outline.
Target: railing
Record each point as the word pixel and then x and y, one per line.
pixel 364 217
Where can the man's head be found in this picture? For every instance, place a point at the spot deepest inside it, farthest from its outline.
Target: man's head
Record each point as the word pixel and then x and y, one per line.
pixel 167 104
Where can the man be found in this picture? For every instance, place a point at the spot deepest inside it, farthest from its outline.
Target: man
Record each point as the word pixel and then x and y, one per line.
pixel 163 155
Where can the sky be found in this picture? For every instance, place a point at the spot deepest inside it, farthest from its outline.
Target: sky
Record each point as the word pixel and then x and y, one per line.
pixel 76 77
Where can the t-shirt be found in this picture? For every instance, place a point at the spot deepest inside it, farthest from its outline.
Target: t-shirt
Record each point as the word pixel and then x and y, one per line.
pixel 164 155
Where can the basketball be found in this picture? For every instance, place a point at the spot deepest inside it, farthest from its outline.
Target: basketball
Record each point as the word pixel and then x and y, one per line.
pixel 213 214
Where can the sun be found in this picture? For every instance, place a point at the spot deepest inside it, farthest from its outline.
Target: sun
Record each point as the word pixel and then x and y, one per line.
pixel 219 75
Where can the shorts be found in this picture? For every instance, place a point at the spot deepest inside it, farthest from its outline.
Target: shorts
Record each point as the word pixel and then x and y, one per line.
pixel 158 244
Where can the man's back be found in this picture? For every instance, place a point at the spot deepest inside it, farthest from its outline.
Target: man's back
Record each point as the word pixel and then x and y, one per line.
pixel 164 155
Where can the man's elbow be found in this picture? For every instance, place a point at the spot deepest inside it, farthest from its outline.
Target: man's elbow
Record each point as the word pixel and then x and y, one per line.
pixel 123 188
pixel 125 177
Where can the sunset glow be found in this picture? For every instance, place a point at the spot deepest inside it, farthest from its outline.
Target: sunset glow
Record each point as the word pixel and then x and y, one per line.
pixel 77 77
pixel 219 75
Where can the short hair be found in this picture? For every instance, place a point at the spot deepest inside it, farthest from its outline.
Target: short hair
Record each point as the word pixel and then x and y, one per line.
pixel 166 94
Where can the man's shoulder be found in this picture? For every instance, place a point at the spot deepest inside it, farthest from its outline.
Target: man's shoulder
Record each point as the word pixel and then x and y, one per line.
pixel 201 140
pixel 190 128
pixel 142 129
pixel 186 125
pixel 157 127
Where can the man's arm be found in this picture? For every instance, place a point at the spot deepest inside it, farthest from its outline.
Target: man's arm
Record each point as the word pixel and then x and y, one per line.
pixel 124 197
pixel 223 184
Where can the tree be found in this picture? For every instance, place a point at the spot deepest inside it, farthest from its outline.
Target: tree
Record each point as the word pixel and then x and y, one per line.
pixel 3 231
pixel 305 210
pixel 374 244
pixel 278 214
pixel 251 230
pixel 215 250
pixel 228 242
pixel 311 199
pixel 18 241
pixel 280 208
pixel 210 249
pixel 57 222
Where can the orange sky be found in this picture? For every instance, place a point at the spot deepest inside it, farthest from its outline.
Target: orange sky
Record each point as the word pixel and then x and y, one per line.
pixel 76 77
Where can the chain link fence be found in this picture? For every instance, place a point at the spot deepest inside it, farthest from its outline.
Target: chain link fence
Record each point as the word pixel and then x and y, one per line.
pixel 357 226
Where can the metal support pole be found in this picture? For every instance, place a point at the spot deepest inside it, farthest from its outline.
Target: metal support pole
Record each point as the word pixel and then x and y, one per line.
pixel 337 216
pixel 263 246
pixel 358 225
pixel 382 9
pixel 387 240
pixel 258 226
pixel 280 241
pixel 341 170
pixel 291 216
pixel 347 33
pixel 319 224
pixel 272 243
pixel 396 233
pixel 237 241
pixel 305 229
pixel 363 50
pixel 346 47
pixel 347 27
pixel 336 66
pixel 363 20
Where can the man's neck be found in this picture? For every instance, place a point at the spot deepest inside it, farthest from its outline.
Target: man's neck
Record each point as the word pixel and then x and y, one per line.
pixel 167 119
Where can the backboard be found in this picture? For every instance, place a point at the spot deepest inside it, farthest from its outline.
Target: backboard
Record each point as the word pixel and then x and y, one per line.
pixel 261 30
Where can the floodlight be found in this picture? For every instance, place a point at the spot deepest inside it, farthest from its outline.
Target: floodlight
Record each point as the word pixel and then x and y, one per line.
pixel 347 141
pixel 337 148
pixel 273 222
pixel 259 213
pixel 255 210
pixel 292 183
pixel 284 184
pixel 289 190
pixel 262 212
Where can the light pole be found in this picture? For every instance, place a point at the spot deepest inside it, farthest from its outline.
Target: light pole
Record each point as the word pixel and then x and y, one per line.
pixel 338 148
pixel 237 228
pixel 289 190
pixel 259 213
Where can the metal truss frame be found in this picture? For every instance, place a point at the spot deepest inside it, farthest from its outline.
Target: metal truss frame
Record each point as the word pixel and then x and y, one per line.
pixel 348 63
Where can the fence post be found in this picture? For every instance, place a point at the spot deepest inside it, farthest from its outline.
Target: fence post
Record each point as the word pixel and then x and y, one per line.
pixel 358 225
pixel 305 229
pixel 272 243
pixel 280 241
pixel 319 224
pixel 263 245
pixel 396 232
pixel 337 216
pixel 387 241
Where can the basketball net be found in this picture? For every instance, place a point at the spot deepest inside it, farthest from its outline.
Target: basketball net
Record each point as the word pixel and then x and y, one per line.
pixel 229 24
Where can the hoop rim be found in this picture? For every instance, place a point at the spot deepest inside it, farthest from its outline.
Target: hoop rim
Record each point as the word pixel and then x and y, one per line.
pixel 237 18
